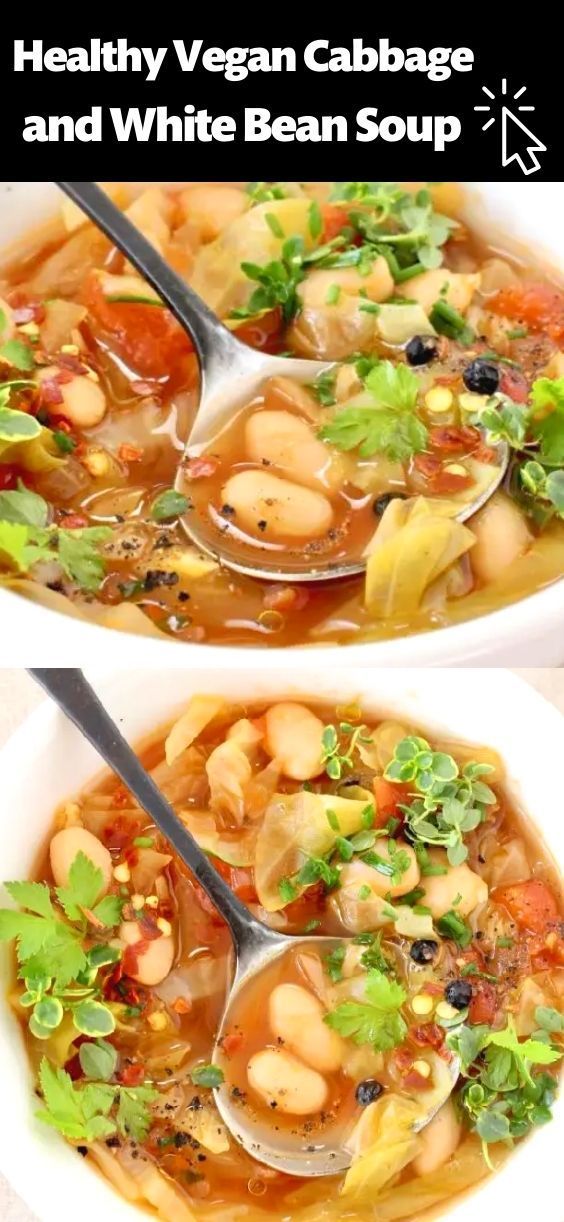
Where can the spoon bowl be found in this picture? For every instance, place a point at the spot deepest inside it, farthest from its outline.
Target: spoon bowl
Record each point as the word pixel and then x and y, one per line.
pixel 231 375
pixel 256 946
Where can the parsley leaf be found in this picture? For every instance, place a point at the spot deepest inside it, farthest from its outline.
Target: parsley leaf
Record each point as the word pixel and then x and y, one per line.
pixel 80 557
pixel 548 393
pixel 170 504
pixel 375 1021
pixel 334 963
pixel 82 1113
pixel 391 427
pixel 18 354
pixel 85 883
pixel 133 1115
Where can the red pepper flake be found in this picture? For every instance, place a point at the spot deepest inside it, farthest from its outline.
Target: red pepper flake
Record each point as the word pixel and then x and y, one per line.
pixel 232 1042
pixel 403 1060
pixel 428 1035
pixel 50 393
pixel 132 1075
pixel 73 521
pixel 285 598
pixel 182 1005
pixel 64 376
pixel 129 453
pixel 200 468
pixel 9 476
pixel 72 364
pixel 453 440
pixel 29 311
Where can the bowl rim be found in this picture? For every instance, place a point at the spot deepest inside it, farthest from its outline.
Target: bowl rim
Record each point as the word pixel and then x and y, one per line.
pixel 44 724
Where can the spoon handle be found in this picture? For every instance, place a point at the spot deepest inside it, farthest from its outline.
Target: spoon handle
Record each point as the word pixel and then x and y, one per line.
pixel 213 342
pixel 70 690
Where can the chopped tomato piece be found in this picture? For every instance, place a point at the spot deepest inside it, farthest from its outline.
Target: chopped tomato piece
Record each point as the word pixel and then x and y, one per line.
pixel 484 1002
pixel 147 337
pixel 335 218
pixel 532 905
pixel 388 797
pixel 538 306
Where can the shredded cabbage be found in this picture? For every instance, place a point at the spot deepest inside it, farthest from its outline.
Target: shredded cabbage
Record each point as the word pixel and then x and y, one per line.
pixel 296 826
pixel 408 552
pixel 200 711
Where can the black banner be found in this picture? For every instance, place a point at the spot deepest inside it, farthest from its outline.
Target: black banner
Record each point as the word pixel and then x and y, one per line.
pixel 404 99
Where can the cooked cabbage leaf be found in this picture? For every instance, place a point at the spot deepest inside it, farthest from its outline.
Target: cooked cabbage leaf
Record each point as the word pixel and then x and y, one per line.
pixel 410 549
pixel 296 827
pixel 383 1143
pixel 199 712
pixel 218 276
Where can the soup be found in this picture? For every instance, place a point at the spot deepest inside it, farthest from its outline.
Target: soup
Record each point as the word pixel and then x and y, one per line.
pixel 443 348
pixel 447 918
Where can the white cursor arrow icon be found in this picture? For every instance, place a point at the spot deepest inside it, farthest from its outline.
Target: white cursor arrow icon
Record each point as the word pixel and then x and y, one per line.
pixel 514 135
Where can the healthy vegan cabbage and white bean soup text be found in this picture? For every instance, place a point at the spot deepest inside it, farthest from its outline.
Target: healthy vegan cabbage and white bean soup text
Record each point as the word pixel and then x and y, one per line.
pixel 442 347
pixel 449 943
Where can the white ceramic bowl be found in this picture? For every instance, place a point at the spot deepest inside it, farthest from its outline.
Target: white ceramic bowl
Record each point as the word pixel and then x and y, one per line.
pixel 530 632
pixel 47 761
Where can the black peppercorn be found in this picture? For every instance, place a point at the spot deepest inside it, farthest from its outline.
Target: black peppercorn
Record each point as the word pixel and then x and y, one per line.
pixel 381 503
pixel 481 377
pixel 424 950
pixel 421 349
pixel 367 1091
pixel 459 994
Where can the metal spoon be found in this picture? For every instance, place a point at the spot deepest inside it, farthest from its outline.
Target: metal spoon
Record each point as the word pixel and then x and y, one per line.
pixel 255 945
pixel 232 375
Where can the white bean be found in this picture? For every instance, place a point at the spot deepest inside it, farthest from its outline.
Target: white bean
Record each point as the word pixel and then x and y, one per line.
pixel 278 1077
pixel 377 285
pixel 442 890
pixel 381 884
pixel 439 1140
pixel 502 535
pixel 155 960
pixel 288 509
pixel 457 288
pixel 84 402
pixel 293 738
pixel 67 844
pixel 288 443
pixel 357 904
pixel 296 1017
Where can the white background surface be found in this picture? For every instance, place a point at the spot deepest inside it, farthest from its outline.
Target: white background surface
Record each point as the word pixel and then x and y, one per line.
pixel 18 696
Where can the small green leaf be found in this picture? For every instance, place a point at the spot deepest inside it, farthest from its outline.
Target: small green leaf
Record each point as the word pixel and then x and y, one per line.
pixel 18 354
pixel 98 1060
pixel 93 1018
pixel 207 1075
pixel 170 504
pixel 48 1013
